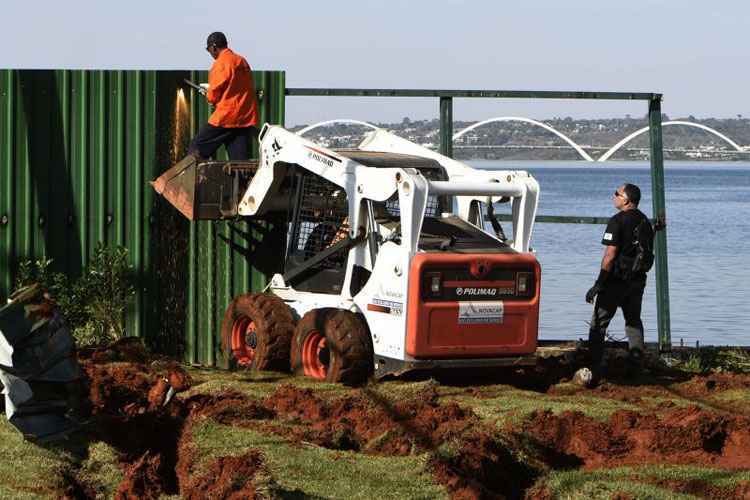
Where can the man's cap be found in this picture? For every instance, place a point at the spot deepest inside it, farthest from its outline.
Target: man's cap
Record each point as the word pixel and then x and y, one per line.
pixel 216 38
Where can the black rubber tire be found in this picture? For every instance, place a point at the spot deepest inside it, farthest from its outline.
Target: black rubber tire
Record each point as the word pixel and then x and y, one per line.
pixel 274 327
pixel 348 341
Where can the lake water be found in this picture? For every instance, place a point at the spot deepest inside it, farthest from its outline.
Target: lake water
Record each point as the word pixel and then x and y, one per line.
pixel 708 222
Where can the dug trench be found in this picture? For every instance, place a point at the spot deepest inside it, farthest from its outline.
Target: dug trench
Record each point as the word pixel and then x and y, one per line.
pixel 470 457
pixel 129 407
pixel 157 455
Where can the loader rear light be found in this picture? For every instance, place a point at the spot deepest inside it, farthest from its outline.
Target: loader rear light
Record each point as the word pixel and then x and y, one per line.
pixel 523 283
pixel 435 281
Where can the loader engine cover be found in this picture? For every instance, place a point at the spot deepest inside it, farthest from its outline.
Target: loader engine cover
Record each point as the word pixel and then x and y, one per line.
pixel 472 305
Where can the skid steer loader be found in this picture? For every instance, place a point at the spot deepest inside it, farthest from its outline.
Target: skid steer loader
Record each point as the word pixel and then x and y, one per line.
pixel 394 258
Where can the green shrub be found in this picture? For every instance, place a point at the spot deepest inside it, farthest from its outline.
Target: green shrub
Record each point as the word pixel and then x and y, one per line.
pixel 717 359
pixel 95 304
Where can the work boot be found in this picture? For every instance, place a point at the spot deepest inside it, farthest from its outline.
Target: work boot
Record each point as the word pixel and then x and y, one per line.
pixel 595 348
pixel 634 363
pixel 595 357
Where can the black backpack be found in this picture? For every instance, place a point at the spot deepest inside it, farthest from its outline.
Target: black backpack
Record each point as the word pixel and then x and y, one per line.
pixel 641 258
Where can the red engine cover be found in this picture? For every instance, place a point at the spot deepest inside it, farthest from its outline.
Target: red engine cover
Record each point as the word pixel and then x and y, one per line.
pixel 478 312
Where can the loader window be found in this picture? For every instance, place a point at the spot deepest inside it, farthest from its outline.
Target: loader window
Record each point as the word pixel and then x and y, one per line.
pixel 435 204
pixel 320 219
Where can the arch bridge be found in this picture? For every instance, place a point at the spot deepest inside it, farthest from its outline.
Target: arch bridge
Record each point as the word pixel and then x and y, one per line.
pixel 610 151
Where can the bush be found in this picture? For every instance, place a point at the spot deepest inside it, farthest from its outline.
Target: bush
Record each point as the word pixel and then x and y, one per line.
pixel 717 359
pixel 93 305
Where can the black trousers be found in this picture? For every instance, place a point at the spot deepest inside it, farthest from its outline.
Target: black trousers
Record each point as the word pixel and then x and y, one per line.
pixel 236 140
pixel 628 296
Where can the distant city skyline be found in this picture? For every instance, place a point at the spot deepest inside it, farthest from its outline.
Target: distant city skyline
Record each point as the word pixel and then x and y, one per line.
pixel 692 52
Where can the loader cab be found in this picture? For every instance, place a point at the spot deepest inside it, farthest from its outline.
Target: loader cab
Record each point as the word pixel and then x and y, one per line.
pixel 318 219
pixel 318 215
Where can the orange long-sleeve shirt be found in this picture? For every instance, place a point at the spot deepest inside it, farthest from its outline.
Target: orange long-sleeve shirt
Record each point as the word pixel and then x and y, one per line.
pixel 232 90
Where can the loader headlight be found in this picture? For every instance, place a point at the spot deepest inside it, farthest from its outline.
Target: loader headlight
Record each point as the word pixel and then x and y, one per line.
pixel 435 284
pixel 523 283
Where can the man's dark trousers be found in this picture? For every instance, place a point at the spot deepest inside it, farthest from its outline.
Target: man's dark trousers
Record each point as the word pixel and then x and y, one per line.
pixel 628 295
pixel 209 138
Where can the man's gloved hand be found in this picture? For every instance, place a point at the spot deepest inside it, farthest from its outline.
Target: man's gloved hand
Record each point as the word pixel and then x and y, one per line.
pixel 204 89
pixel 593 292
pixel 598 286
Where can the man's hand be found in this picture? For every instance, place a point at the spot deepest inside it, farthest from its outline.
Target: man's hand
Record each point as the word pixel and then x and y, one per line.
pixel 203 89
pixel 598 286
pixel 593 292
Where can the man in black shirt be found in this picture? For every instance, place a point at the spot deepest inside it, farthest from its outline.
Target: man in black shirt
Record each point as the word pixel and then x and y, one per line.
pixel 617 288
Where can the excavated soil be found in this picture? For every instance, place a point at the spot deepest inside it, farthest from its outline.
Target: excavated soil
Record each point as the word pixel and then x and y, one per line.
pixel 697 388
pixel 679 436
pixel 228 407
pixel 143 479
pixel 227 477
pixel 367 422
pixel 707 385
pixel 127 391
pixel 466 456
pixel 702 489
pixel 132 409
pixel 131 406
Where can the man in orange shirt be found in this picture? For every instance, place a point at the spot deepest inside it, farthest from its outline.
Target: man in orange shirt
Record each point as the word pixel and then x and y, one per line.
pixel 232 91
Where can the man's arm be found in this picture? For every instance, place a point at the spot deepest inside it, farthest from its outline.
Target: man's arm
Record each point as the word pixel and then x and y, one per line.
pixel 608 263
pixel 218 78
pixel 608 260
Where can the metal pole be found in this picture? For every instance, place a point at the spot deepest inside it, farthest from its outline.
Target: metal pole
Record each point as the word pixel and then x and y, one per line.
pixel 446 126
pixel 660 215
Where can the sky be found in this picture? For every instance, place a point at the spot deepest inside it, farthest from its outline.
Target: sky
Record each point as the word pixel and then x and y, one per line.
pixel 692 51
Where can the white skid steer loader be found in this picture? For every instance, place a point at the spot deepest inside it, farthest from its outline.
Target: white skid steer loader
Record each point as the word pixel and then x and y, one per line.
pixel 394 258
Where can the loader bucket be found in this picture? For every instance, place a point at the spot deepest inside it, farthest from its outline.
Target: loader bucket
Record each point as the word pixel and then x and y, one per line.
pixel 202 189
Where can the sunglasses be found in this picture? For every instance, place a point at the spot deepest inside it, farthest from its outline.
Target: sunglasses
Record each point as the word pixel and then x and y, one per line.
pixel 619 195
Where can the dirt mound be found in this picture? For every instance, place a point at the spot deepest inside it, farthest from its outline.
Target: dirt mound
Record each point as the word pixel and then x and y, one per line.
pixel 368 422
pixel 481 466
pixel 130 349
pixel 228 407
pixel 128 387
pixel 142 480
pixel 703 489
pixel 293 402
pixel 113 386
pixel 706 385
pixel 679 436
pixel 466 456
pixel 147 444
pixel 129 411
pixel 228 478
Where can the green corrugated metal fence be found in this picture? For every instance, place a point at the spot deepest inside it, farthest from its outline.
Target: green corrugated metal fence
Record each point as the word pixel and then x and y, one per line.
pixel 78 150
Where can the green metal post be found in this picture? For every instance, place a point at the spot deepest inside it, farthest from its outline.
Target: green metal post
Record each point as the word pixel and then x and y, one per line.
pixel 660 215
pixel 446 126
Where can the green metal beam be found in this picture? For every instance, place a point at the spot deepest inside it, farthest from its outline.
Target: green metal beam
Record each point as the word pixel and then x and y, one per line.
pixel 514 94
pixel 660 214
pixel 560 219
pixel 446 126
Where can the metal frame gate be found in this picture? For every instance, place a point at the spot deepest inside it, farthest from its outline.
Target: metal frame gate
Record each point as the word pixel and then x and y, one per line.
pixel 655 144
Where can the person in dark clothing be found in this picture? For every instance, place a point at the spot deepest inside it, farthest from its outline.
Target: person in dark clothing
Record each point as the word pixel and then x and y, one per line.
pixel 231 90
pixel 616 286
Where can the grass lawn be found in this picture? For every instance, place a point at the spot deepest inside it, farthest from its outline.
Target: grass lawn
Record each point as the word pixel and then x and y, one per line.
pixel 640 482
pixel 305 470
pixel 309 471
